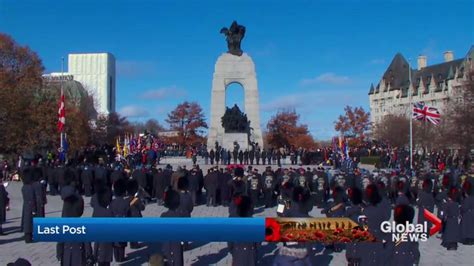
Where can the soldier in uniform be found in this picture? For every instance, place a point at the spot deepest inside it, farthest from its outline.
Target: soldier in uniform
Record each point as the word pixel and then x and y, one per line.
pixel 120 207
pixel 135 203
pixel 223 185
pixel 246 157
pixel 172 251
pixel 140 175
pixel 425 200
pixel 74 253
pixel 243 253
pixel 441 194
pixel 269 185
pixel 30 206
pixel 158 185
pixel 251 155
pixel 87 177
pixel 402 198
pixel 264 156
pixel 254 187
pixel 257 156
pixel 353 212
pixel 211 156
pixel 467 213
pixel 193 179
pixel 40 192
pixel 103 251
pixel 210 184
pixel 186 205
pixel 403 253
pixel 294 253
pixel 450 214
pixel 4 203
pixel 237 184
pixel 241 157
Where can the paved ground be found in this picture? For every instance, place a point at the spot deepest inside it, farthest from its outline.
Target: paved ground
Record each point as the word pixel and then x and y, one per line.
pixel 12 245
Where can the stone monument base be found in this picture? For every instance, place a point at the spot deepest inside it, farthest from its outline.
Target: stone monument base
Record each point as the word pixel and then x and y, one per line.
pixel 229 139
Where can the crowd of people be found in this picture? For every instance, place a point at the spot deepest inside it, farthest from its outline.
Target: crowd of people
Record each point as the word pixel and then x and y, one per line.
pixel 115 190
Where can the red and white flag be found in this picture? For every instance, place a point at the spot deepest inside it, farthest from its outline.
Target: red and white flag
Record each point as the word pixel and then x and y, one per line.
pixel 423 112
pixel 61 113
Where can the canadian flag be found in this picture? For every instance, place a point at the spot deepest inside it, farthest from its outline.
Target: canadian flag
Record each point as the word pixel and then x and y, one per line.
pixel 61 113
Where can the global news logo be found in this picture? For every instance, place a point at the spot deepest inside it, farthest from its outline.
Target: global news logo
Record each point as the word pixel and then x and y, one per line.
pixel 409 232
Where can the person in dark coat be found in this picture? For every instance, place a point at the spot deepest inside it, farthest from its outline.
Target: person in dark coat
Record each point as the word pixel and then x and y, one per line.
pixel 172 251
pixel 402 198
pixel 100 173
pixel 211 156
pixel 40 193
pixel 374 253
pixel 116 174
pixel 103 251
pixel 4 203
pixel 210 184
pixel 237 184
pixel 425 200
pixel 136 205
pixel 337 207
pixel 353 211
pixel 224 189
pixel 87 177
pixel 246 157
pixel 293 253
pixel 74 253
pixel 120 207
pixel 251 156
pixel 30 207
pixel 158 185
pixel 403 253
pixel 254 187
pixel 140 175
pixel 257 156
pixel 186 205
pixel 52 183
pixel 243 253
pixel 241 157
pixel 450 214
pixel 269 185
pixel 193 179
pixel 467 213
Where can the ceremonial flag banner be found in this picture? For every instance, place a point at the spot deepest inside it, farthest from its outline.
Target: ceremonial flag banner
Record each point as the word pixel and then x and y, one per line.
pixel 423 112
pixel 61 113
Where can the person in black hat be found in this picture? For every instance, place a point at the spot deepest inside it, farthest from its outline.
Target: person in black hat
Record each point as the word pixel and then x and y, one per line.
pixel 103 251
pixel 172 251
pixel 467 212
pixel 425 200
pixel 337 207
pixel 74 253
pixel 4 202
pixel 30 206
pixel 403 253
pixel 402 198
pixel 136 204
pixel 186 205
pixel 450 214
pixel 237 184
pixel 243 253
pixel 225 177
pixel 120 207
pixel 300 203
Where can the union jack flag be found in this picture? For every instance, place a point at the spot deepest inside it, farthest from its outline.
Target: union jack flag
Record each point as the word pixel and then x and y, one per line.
pixel 61 113
pixel 423 112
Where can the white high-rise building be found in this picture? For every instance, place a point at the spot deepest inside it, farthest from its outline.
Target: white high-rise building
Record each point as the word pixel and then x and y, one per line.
pixel 96 72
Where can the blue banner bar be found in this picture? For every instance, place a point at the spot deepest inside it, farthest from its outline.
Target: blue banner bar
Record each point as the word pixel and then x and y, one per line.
pixel 148 229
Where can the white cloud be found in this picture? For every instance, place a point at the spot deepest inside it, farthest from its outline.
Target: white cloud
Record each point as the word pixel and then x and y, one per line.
pixel 163 93
pixel 328 78
pixel 134 111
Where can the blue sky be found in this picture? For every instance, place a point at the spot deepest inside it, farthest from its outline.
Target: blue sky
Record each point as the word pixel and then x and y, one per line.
pixel 314 56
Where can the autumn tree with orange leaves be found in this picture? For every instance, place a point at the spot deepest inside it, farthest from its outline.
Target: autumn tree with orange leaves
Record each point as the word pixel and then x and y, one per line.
pixel 285 130
pixel 353 124
pixel 29 107
pixel 188 119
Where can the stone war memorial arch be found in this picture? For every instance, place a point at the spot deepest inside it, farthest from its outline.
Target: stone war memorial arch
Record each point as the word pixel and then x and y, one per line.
pixel 234 66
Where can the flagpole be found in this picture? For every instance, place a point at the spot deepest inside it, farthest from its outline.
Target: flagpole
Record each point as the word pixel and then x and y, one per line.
pixel 411 114
pixel 61 85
